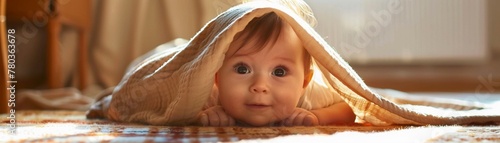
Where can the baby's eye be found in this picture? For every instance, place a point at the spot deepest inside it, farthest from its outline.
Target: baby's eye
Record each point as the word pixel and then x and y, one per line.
pixel 279 72
pixel 241 69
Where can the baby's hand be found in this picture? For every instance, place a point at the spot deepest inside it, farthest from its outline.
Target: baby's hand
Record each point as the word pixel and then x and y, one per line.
pixel 215 116
pixel 301 117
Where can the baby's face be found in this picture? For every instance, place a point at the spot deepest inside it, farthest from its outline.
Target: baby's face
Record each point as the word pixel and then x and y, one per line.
pixel 263 87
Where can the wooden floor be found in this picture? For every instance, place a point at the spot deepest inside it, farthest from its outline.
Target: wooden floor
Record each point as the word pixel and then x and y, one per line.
pixel 425 78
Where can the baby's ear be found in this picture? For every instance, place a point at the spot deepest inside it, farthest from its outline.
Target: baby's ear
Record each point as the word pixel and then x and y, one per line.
pixel 308 78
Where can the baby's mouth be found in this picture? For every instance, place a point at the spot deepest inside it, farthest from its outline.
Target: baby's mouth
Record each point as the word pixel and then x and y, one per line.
pixel 257 106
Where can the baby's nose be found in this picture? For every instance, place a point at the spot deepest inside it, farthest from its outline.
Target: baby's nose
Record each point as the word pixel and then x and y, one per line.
pixel 259 85
pixel 259 90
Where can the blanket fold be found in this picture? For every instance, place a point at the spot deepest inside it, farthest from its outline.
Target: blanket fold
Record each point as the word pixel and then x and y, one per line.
pixel 170 87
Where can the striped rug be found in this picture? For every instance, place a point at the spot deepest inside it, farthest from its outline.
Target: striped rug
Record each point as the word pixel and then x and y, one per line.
pixel 71 126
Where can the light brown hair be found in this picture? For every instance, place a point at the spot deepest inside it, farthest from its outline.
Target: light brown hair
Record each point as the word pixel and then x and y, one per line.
pixel 265 29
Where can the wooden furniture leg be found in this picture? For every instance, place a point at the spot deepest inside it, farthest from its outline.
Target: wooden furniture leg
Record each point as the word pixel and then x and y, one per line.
pixel 82 58
pixel 75 13
pixel 3 60
pixel 54 59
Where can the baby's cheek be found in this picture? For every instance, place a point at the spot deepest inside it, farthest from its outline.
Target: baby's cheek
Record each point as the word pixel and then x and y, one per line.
pixel 293 101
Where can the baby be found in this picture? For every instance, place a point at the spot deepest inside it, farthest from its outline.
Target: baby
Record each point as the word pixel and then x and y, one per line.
pixel 262 79
pixel 265 78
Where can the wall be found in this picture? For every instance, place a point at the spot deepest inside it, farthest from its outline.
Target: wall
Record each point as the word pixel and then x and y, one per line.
pixel 405 31
pixel 494 26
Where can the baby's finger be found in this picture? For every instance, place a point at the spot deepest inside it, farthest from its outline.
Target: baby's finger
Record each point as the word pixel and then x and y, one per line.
pixel 289 120
pixel 298 121
pixel 213 118
pixel 223 118
pixel 309 121
pixel 315 120
pixel 231 121
pixel 204 119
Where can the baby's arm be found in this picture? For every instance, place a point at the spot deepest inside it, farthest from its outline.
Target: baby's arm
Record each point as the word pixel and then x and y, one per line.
pixel 339 113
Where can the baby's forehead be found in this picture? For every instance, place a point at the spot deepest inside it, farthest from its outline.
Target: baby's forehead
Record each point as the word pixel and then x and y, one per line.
pixel 279 36
pixel 285 43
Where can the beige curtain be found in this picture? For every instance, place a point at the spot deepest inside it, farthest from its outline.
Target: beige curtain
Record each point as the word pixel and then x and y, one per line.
pixel 494 26
pixel 126 29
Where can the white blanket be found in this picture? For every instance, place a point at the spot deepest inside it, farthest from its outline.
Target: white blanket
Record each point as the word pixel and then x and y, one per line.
pixel 170 87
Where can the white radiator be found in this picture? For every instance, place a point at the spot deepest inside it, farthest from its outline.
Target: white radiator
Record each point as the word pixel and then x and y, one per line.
pixel 404 31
